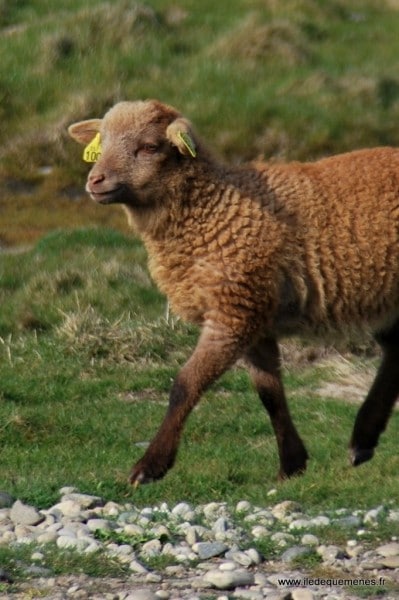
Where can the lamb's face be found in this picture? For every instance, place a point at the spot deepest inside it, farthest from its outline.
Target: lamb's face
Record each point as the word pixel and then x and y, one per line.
pixel 142 143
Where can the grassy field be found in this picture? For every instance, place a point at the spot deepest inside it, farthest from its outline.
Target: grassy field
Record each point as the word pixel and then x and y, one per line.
pixel 86 356
pixel 296 79
pixel 86 363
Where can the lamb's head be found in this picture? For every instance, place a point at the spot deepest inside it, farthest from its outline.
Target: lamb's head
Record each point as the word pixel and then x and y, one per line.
pixel 139 146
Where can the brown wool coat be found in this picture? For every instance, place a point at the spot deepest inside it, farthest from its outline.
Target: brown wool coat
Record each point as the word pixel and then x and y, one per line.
pixel 304 248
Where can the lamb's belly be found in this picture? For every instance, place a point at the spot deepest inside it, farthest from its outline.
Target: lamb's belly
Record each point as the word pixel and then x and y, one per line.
pixel 336 321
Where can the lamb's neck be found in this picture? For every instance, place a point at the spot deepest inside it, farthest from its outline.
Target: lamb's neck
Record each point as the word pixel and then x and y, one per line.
pixel 190 198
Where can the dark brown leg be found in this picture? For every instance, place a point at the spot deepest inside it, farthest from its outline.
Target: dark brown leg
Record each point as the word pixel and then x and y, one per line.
pixel 374 413
pixel 264 367
pixel 216 351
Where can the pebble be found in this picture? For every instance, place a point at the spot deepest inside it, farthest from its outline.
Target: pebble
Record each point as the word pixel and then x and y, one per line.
pixel 192 536
pixel 259 531
pixel 391 562
pixel 100 525
pixel 373 516
pixel 212 547
pixel 227 580
pixel 329 553
pixel 24 514
pixel 393 516
pixel 389 549
pixel 300 524
pixel 240 558
pixel 309 540
pixel 85 501
pixel 207 550
pixel 229 565
pixel 282 539
pixel 66 541
pixel 151 548
pixel 302 595
pixel 163 594
pixel 137 567
pixel 320 521
pixel 68 508
pixel 243 506
pixel 254 556
pixel 350 521
pixel 143 594
pixel 294 553
pixel 282 509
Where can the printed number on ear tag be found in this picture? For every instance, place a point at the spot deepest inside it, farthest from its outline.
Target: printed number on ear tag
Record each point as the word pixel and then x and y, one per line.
pixel 92 151
pixel 188 142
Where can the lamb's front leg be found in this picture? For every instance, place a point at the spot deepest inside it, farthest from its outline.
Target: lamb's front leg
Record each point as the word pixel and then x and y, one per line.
pixel 217 349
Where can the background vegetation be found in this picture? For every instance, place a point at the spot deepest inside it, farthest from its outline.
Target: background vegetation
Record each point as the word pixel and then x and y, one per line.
pixel 295 79
pixel 86 356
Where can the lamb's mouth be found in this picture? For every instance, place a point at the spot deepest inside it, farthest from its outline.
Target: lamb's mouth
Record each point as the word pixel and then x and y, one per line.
pixel 109 196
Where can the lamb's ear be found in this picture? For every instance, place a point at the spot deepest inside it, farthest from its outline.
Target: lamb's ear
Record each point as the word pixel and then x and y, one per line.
pixel 84 131
pixel 180 135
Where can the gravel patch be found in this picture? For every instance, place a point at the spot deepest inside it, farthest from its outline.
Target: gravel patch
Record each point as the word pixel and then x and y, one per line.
pixel 211 551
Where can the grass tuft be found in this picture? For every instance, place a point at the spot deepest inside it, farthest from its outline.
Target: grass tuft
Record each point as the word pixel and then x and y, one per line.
pixel 88 334
pixel 253 40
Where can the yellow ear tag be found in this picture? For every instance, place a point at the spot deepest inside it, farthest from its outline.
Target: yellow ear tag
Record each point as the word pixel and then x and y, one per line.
pixel 92 152
pixel 188 142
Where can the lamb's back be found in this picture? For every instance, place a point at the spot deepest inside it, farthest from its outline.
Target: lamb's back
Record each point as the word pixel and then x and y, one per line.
pixel 345 210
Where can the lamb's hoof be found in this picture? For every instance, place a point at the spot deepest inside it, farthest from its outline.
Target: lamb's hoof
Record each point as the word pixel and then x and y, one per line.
pixel 292 471
pixel 293 463
pixel 138 477
pixel 146 472
pixel 360 455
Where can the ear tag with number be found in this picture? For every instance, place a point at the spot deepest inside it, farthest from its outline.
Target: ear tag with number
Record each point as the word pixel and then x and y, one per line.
pixel 188 142
pixel 92 152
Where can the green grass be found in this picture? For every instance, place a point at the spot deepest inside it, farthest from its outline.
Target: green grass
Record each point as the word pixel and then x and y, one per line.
pixel 293 79
pixel 16 561
pixel 86 363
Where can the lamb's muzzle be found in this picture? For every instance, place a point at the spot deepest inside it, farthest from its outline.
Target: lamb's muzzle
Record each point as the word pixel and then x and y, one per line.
pixel 253 254
pixel 104 190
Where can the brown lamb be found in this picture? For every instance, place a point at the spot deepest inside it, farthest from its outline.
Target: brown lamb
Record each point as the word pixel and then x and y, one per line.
pixel 253 254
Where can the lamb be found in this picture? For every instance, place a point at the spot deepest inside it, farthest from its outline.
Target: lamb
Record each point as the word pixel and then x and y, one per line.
pixel 253 254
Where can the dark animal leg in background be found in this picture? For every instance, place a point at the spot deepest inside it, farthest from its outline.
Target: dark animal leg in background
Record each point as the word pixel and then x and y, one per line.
pixel 215 353
pixel 374 413
pixel 264 367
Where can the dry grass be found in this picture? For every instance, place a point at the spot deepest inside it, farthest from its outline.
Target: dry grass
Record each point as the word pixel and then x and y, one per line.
pixel 346 369
pixel 86 332
pixel 252 41
pixel 346 379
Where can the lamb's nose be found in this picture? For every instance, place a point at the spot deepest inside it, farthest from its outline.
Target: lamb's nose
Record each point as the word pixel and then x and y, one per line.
pixel 95 179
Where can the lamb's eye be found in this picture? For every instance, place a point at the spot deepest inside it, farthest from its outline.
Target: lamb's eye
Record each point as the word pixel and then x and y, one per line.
pixel 148 148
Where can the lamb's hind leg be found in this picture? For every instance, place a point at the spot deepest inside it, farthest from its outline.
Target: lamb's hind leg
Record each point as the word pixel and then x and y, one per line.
pixel 374 413
pixel 264 367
